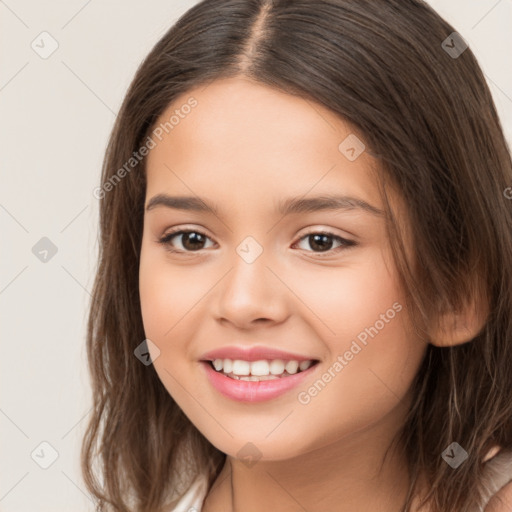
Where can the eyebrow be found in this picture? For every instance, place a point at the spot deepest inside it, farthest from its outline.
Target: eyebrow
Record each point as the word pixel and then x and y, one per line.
pixel 289 206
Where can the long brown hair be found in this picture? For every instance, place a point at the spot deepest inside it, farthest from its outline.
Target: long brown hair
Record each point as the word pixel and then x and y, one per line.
pixel 427 115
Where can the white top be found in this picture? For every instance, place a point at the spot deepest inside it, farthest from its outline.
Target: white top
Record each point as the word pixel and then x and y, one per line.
pixel 192 500
pixel 498 474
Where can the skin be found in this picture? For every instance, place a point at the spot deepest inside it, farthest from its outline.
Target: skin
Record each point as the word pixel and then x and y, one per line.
pixel 245 147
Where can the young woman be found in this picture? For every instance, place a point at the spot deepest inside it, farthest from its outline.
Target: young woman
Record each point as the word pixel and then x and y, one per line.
pixel 306 228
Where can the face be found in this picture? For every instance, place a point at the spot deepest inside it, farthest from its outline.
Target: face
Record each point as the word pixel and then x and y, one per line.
pixel 319 283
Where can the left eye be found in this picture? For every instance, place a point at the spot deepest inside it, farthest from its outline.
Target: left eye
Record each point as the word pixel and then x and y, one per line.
pixel 323 240
pixel 193 240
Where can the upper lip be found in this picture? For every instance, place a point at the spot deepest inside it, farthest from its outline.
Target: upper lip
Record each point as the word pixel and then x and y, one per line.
pixel 254 353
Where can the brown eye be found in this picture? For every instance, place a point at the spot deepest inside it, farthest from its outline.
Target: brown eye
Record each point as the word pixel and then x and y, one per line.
pixel 323 241
pixel 194 241
pixel 191 240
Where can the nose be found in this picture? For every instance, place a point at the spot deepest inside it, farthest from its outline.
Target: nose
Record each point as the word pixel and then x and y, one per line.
pixel 252 294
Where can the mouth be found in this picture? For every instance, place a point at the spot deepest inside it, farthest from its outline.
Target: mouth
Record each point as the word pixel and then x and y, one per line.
pixel 237 381
pixel 261 370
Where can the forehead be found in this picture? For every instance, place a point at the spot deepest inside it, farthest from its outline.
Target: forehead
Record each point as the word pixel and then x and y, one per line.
pixel 260 140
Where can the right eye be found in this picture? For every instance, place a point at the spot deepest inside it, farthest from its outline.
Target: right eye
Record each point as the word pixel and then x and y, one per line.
pixel 190 240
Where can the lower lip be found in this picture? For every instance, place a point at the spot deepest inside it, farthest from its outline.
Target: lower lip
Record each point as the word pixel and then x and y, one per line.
pixel 250 391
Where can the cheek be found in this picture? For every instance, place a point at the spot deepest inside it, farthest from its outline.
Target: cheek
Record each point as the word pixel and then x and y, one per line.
pixel 165 297
pixel 155 297
pixel 373 354
pixel 345 300
pixel 168 292
pixel 364 382
pixel 163 301
pixel 171 306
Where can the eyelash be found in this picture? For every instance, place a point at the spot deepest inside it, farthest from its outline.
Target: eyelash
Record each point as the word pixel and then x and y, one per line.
pixel 345 244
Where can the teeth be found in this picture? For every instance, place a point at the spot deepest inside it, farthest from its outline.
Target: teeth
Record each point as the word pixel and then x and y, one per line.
pixel 240 367
pixel 257 379
pixel 226 365
pixel 292 366
pixel 304 365
pixel 277 367
pixel 259 370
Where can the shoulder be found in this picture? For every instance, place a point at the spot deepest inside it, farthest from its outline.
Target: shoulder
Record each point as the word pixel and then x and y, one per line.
pixel 502 500
pixel 498 482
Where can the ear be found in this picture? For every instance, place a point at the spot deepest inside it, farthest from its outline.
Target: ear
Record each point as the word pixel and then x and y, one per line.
pixel 456 328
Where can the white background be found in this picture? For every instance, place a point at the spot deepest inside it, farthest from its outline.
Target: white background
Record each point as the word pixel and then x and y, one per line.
pixel 56 115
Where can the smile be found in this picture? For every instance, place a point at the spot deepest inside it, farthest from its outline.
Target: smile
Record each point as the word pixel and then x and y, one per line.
pixel 256 381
